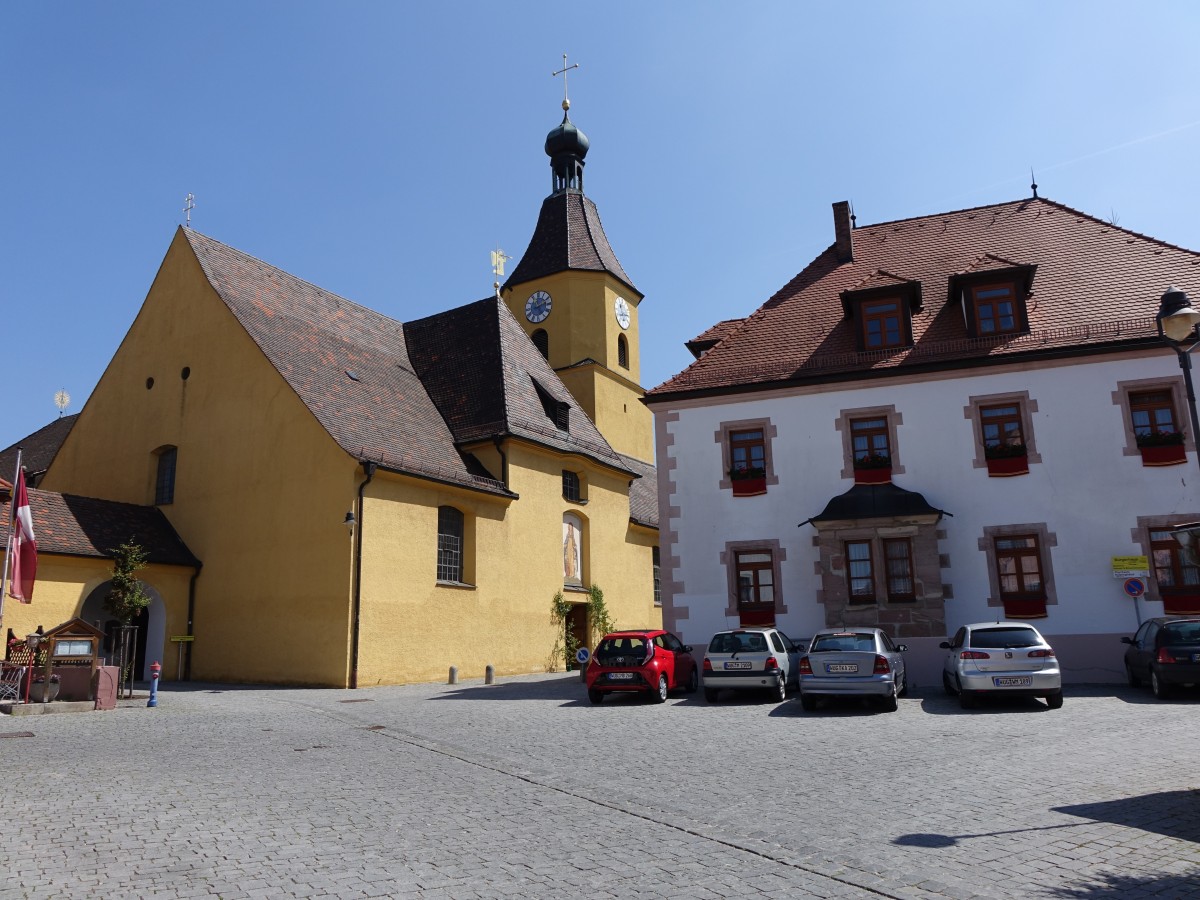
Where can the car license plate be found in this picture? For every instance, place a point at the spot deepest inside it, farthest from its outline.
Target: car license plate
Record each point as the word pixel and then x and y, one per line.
pixel 1196 657
pixel 620 676
pixel 1013 681
pixel 841 668
pixel 737 665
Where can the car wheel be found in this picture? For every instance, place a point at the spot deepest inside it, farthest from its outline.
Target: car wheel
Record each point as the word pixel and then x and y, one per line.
pixel 889 702
pixel 779 692
pixel 596 697
pixel 809 702
pixel 1054 701
pixel 710 694
pixel 1161 691
pixel 1133 680
pixel 693 682
pixel 660 696
pixel 966 699
pixel 947 686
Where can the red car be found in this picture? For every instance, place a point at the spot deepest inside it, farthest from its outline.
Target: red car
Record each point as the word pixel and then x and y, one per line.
pixel 651 661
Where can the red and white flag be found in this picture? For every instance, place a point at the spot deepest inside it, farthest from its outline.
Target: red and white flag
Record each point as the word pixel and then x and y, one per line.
pixel 22 545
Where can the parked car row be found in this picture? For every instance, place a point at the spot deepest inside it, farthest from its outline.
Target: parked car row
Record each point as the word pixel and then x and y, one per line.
pixel 988 658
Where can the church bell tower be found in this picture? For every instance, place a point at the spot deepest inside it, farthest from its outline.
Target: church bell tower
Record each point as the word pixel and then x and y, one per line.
pixel 577 304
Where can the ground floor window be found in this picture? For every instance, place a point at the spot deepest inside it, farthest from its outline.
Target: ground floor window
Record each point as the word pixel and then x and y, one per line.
pixel 860 575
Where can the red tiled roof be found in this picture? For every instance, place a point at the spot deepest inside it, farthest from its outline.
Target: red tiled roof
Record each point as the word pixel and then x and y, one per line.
pixel 707 339
pixel 1096 285
pixel 84 526
pixel 568 235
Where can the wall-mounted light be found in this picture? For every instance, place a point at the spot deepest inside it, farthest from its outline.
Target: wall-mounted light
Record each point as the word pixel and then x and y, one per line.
pixel 349 522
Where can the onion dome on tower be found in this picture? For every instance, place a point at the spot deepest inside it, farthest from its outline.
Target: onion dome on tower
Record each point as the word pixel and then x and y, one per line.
pixel 568 233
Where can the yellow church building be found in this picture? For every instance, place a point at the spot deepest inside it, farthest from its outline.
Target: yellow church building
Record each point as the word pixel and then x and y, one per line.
pixel 364 501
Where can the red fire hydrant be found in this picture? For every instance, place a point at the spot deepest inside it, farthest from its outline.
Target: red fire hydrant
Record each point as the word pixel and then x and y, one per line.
pixel 155 671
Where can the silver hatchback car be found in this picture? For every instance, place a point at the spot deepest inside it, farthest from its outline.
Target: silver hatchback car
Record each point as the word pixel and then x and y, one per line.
pixel 761 659
pixel 852 662
pixel 1009 658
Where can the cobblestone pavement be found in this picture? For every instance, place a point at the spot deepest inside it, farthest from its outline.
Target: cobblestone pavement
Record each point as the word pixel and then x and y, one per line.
pixel 523 789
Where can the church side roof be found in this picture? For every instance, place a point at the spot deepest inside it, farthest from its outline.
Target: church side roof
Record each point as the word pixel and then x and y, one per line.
pixel 483 373
pixel 1094 287
pixel 37 450
pixel 568 235
pixel 643 493
pixel 348 364
pixel 84 526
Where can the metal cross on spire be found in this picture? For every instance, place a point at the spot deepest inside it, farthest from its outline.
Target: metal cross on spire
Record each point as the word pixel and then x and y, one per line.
pixel 189 203
pixel 563 72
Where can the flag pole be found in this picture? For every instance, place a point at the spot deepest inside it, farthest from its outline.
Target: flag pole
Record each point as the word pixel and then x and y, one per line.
pixel 12 517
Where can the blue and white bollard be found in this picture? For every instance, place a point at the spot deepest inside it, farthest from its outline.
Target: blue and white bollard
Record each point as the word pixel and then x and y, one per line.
pixel 155 671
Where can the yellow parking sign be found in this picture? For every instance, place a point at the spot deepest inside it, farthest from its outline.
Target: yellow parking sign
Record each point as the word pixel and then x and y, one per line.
pixel 1130 566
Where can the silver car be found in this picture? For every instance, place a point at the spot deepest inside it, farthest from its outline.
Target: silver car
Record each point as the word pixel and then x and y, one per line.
pixel 851 662
pixel 1010 658
pixel 760 659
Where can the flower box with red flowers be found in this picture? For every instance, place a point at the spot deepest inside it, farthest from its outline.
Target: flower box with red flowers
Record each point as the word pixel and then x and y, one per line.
pixel 1005 460
pixel 873 468
pixel 1161 448
pixel 748 481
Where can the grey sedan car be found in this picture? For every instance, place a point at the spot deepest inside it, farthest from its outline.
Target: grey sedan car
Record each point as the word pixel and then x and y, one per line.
pixel 850 662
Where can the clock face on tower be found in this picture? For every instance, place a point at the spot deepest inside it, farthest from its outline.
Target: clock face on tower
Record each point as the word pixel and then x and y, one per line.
pixel 621 311
pixel 537 307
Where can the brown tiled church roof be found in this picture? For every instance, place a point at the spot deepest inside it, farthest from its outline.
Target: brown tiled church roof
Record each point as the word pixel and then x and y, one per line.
pixel 483 373
pixel 568 235
pixel 37 450
pixel 403 396
pixel 643 493
pixel 1095 287
pixel 84 526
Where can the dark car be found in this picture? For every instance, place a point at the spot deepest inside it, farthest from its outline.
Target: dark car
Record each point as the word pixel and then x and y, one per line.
pixel 654 662
pixel 1165 652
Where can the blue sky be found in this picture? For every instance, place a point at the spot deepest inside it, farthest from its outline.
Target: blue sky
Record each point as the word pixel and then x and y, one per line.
pixel 381 150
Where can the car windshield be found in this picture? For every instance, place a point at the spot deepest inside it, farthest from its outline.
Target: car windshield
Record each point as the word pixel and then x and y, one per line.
pixel 625 645
pixel 1004 637
pixel 849 641
pixel 1183 633
pixel 738 642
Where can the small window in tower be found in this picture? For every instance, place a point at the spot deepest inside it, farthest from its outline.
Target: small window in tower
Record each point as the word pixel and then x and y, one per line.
pixel 622 351
pixel 541 340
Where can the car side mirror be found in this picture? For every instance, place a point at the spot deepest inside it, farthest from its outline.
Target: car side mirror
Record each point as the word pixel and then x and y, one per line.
pixel 945 645
pixel 902 647
pixel 1126 640
pixel 687 648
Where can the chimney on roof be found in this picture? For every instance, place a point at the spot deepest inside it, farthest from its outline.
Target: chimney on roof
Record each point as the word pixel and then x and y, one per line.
pixel 843 234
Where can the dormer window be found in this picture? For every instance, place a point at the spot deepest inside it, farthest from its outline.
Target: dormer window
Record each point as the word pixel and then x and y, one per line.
pixel 557 411
pixel 882 324
pixel 994 294
pixel 881 308
pixel 995 309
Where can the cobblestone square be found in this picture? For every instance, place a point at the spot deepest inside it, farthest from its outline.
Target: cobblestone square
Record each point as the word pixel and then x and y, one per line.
pixel 524 789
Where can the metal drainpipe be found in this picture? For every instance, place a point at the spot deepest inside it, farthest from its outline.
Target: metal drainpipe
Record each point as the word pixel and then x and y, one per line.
pixel 498 441
pixel 369 468
pixel 187 662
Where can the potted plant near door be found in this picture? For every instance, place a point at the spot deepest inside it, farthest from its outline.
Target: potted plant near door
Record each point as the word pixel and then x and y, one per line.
pixel 748 480
pixel 1004 460
pixel 873 468
pixel 1161 448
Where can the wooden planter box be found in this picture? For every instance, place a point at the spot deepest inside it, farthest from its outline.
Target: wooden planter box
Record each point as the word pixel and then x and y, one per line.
pixel 1168 455
pixel 873 476
pixel 1008 466
pixel 748 487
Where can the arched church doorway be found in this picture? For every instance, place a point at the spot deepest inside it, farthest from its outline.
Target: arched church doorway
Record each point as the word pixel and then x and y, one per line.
pixel 151 626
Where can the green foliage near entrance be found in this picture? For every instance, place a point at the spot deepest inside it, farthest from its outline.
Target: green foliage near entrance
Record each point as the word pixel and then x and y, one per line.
pixel 599 623
pixel 126 598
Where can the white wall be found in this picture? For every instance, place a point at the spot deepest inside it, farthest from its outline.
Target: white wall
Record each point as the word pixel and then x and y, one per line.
pixel 1085 489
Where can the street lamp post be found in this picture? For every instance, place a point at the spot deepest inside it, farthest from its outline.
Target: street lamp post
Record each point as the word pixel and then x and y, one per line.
pixel 1177 320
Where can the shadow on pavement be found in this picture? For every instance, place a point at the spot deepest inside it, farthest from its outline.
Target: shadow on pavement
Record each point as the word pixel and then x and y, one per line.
pixel 1175 814
pixel 1115 886
pixel 948 706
